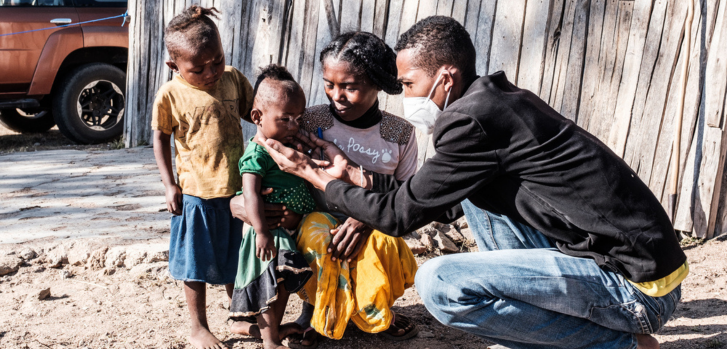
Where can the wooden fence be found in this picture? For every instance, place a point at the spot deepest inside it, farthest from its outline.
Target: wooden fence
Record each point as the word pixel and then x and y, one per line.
pixel 612 66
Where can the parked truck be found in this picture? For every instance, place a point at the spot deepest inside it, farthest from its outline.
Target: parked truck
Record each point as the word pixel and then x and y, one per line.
pixel 71 75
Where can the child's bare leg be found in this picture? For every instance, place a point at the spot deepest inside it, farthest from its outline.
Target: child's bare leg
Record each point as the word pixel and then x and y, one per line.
pixel 279 306
pixel 270 330
pixel 200 337
pixel 229 288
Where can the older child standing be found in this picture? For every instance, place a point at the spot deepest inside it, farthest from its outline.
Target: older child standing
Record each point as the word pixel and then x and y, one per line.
pixel 202 107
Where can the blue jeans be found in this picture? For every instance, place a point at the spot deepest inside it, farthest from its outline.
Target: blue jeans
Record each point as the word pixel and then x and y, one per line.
pixel 521 292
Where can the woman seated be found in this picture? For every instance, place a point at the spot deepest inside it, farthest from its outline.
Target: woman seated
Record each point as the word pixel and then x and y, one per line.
pixel 358 272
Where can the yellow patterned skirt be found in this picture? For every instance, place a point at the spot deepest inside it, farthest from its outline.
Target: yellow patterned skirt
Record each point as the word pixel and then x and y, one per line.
pixel 362 291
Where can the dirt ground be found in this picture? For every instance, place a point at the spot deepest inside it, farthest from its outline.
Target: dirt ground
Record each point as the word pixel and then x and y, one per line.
pixel 12 142
pixel 142 307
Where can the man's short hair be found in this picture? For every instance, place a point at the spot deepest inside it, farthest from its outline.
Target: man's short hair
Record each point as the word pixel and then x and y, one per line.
pixel 439 40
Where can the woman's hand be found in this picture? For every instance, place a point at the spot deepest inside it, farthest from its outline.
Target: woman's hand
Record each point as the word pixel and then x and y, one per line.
pixel 276 215
pixel 348 239
pixel 265 246
pixel 173 195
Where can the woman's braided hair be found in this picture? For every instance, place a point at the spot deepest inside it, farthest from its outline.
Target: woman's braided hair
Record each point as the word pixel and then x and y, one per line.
pixel 192 29
pixel 367 55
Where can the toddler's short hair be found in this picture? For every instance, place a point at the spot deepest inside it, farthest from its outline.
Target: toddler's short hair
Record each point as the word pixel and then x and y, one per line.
pixel 191 30
pixel 279 74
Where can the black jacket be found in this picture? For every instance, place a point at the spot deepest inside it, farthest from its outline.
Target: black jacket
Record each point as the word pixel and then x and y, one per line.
pixel 510 153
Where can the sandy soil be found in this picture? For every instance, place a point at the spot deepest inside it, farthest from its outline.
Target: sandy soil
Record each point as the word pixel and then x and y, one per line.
pixel 143 308
pixel 12 142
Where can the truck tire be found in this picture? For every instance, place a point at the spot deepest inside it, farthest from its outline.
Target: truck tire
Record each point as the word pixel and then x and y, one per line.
pixel 22 121
pixel 89 103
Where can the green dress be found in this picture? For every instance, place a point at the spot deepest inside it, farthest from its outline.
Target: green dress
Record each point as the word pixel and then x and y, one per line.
pixel 257 281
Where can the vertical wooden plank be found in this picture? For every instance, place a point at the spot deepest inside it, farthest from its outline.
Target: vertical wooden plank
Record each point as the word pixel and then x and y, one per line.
pixel 709 182
pixel 652 116
pixel 368 15
pixel 530 70
pixel 573 74
pixel 380 19
pixel 715 148
pixel 444 7
pixel 426 8
pixel 596 23
pixel 608 90
pixel 471 17
pixel 393 25
pixel 422 146
pixel 295 45
pixel 459 11
pixel 483 36
pixel 552 44
pixel 379 29
pixel 715 86
pixel 721 217
pixel 327 27
pixel 626 93
pixel 648 62
pixel 308 49
pixel 561 60
pixel 350 15
pixel 276 29
pixel 406 19
pixel 506 36
pixel 662 168
pixel 693 132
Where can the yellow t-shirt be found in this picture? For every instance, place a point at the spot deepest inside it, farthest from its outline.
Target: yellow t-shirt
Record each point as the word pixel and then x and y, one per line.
pixel 207 131
pixel 663 286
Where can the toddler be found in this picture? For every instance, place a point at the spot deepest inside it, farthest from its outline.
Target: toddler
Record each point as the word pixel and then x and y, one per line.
pixel 270 266
pixel 202 107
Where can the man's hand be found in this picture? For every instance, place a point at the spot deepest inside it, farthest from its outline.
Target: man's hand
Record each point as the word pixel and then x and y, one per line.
pixel 276 215
pixel 348 240
pixel 173 195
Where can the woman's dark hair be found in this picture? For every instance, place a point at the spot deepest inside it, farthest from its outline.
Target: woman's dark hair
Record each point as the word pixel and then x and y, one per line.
pixel 192 29
pixel 367 55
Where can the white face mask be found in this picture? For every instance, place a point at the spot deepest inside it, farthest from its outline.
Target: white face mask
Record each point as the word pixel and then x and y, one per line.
pixel 422 112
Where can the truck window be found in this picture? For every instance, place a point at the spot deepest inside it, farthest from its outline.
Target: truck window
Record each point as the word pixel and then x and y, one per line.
pixel 36 3
pixel 100 3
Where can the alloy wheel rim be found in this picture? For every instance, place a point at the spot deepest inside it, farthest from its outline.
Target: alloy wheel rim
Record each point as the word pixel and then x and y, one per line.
pixel 100 105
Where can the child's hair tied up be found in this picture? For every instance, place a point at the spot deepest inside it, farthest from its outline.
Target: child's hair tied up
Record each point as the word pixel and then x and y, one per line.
pixel 196 11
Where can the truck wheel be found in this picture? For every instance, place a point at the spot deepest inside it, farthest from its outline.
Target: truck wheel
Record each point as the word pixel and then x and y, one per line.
pixel 23 121
pixel 89 104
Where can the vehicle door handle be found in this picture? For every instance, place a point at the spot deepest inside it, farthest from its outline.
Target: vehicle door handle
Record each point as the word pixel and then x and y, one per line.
pixel 59 21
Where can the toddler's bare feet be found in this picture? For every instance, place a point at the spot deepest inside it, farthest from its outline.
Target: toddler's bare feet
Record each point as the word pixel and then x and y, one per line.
pixel 249 329
pixel 274 346
pixel 246 329
pixel 202 338
pixel 286 330
pixel 646 341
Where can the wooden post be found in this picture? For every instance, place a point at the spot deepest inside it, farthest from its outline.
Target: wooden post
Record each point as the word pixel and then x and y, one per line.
pixel 673 183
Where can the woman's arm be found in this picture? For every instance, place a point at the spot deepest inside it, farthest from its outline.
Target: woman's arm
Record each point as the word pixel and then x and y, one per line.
pixel 163 157
pixel 255 207
pixel 276 215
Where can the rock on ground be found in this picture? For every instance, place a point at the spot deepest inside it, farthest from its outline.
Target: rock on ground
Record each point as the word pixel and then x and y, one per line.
pixel 9 265
pixel 415 245
pixel 43 294
pixel 444 243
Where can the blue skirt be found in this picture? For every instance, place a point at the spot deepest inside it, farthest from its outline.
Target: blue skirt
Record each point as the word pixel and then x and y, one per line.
pixel 205 241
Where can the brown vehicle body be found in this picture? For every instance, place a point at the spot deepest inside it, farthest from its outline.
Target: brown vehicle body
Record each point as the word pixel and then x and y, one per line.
pixel 32 64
